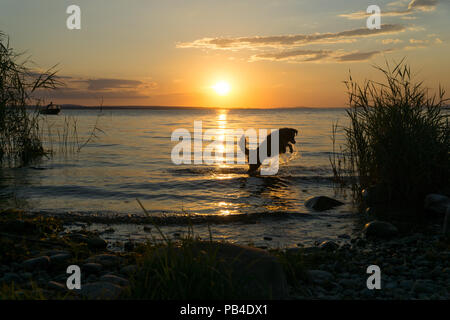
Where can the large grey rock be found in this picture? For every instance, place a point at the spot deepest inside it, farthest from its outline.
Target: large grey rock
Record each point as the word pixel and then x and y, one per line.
pixel 94 242
pixel 91 268
pixel 437 203
pixel 115 279
pixel 329 245
pixel 322 203
pixel 320 276
pixel 106 260
pixel 60 258
pixel 380 229
pixel 129 270
pixel 101 290
pixel 40 263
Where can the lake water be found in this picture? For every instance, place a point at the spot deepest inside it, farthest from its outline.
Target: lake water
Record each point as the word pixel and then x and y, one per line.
pixel 132 160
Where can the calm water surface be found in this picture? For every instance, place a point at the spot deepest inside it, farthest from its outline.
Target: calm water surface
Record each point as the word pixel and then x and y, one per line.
pixel 132 160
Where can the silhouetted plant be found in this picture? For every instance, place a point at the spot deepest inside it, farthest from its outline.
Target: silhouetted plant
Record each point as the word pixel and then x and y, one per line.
pixel 19 128
pixel 398 138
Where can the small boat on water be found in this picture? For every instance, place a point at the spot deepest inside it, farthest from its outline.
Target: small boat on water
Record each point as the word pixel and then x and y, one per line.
pixel 51 109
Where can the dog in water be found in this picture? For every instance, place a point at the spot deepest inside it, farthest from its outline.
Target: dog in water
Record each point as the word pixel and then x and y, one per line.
pixel 286 138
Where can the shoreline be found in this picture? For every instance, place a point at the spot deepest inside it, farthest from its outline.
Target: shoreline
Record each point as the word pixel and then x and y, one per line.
pixel 413 266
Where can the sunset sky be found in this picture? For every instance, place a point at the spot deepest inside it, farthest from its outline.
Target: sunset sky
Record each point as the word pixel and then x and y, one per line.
pixel 271 53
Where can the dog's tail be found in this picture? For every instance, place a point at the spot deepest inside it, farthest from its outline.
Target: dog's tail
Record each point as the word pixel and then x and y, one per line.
pixel 243 145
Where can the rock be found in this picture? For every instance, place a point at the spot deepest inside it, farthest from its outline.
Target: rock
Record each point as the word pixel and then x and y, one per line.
pixel 320 276
pixel 115 279
pixel 101 290
pixel 106 260
pixel 10 277
pixel 53 285
pixel 380 229
pixel 129 270
pixel 78 237
pixel 390 285
pixel 92 278
pixel 91 268
pixel 36 263
pixel 436 203
pixel 54 252
pixel 322 203
pixel 349 283
pixel 329 245
pixel 423 286
pixel 94 242
pixel 267 238
pixel 411 240
pixel 60 258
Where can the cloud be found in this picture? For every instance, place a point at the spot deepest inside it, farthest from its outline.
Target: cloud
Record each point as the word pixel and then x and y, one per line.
pixel 106 84
pixel 108 88
pixel 74 93
pixel 359 56
pixel 391 41
pixel 329 56
pixel 290 40
pixel 306 55
pixel 413 7
pixel 417 41
pixel 423 5
pixel 300 56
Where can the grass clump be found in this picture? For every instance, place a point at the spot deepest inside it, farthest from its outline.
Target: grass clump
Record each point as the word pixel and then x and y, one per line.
pixel 398 139
pixel 180 272
pixel 19 129
pixel 191 268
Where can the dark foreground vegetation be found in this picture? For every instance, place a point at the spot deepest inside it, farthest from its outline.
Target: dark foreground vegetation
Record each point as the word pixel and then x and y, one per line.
pixel 36 251
pixel 398 140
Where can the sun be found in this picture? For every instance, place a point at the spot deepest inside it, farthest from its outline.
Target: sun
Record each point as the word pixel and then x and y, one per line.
pixel 222 88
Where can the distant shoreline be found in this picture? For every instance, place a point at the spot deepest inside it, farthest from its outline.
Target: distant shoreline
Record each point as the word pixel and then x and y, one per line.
pixel 81 107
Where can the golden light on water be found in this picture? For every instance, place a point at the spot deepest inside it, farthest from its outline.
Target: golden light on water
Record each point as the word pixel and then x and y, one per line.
pixel 222 124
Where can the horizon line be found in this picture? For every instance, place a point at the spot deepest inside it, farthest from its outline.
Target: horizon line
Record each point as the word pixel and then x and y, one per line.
pixel 79 106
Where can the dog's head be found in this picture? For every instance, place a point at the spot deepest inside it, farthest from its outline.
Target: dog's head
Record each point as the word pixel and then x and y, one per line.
pixel 287 135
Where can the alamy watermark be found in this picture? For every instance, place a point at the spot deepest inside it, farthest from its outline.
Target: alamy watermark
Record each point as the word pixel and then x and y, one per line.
pixel 374 20
pixel 73 22
pixel 228 146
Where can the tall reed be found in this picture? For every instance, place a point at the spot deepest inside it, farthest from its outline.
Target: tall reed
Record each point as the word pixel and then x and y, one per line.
pixel 398 138
pixel 19 129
